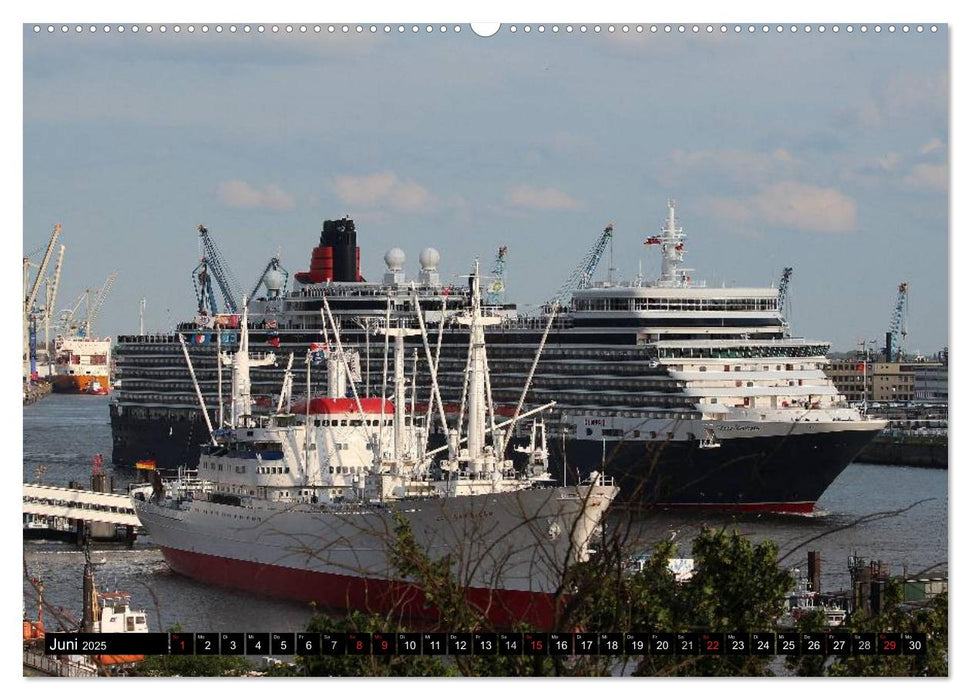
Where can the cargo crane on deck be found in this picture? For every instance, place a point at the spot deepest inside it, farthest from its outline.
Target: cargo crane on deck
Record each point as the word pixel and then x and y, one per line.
pixel 494 294
pixel 898 325
pixel 93 310
pixel 212 266
pixel 783 298
pixel 583 273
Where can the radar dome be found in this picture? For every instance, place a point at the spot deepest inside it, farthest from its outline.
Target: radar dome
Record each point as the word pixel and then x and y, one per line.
pixel 395 259
pixel 273 280
pixel 428 259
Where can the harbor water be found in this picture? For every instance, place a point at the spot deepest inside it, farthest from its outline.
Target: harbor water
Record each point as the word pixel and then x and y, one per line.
pixel 894 514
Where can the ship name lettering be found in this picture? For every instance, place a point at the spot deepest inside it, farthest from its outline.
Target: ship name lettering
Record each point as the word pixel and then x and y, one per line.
pixel 739 428
pixel 464 516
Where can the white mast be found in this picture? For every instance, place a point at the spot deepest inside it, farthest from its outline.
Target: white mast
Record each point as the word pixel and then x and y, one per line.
pixel 241 362
pixel 477 376
pixel 672 252
pixel 400 434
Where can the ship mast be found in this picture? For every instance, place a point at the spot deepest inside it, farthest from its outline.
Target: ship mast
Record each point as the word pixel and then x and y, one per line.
pixel 400 434
pixel 241 363
pixel 478 369
pixel 672 252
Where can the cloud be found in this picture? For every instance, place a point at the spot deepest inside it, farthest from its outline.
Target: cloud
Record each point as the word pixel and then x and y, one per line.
pixel 925 176
pixel 383 190
pixel 242 195
pixel 908 95
pixel 736 166
pixel 935 144
pixel 791 205
pixel 548 198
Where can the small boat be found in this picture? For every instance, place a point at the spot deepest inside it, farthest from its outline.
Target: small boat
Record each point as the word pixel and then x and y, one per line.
pixel 803 600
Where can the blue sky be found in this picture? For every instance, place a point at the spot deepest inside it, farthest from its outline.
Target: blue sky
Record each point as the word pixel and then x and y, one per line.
pixel 824 152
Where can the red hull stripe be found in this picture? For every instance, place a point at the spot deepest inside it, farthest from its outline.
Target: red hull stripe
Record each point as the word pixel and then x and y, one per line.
pixel 338 592
pixel 803 507
pixel 325 405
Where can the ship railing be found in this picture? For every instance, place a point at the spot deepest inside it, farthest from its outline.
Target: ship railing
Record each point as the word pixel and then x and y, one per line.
pixel 598 479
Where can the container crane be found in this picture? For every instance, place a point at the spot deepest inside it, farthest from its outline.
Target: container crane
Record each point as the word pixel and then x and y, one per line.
pixel 213 267
pixel 275 282
pixel 583 273
pixel 494 295
pixel 898 325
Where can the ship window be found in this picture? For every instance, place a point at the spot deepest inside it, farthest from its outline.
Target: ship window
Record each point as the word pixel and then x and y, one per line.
pixel 714 400
pixel 702 369
pixel 589 431
pixel 344 422
pixel 637 433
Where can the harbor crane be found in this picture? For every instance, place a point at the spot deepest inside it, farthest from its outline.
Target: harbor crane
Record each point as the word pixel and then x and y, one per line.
pixel 583 273
pixel 897 333
pixel 50 298
pixel 30 297
pixel 276 282
pixel 211 267
pixel 783 297
pixel 494 294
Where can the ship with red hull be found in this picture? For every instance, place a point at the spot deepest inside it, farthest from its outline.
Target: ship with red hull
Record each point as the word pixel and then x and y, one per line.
pixel 337 500
pixel 692 396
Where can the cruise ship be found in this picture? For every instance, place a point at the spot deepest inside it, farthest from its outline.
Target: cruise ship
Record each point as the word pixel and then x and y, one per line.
pixel 690 396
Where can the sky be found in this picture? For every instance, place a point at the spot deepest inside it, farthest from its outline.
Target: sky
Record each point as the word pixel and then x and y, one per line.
pixel 826 152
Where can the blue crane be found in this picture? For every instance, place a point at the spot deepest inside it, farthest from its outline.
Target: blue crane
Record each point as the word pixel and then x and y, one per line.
pixel 897 332
pixel 583 273
pixel 498 286
pixel 783 297
pixel 213 267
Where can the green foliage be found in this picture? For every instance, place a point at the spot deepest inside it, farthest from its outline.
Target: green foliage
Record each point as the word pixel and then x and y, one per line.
pixel 737 586
pixel 191 666
pixel 929 618
pixel 349 665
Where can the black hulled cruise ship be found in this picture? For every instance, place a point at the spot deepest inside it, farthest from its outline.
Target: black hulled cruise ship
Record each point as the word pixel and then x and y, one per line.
pixel 687 395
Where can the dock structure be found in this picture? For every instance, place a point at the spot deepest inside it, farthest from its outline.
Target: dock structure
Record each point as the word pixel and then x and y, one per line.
pixel 93 514
pixel 41 664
